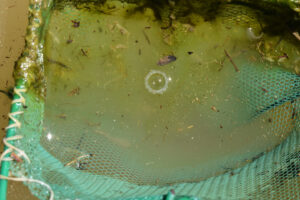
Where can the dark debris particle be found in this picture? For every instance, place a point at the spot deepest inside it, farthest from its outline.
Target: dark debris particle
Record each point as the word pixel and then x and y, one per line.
pixel 58 63
pixel 190 52
pixel 264 90
pixel 284 56
pixel 76 24
pixel 74 92
pixel 84 53
pixel 257 156
pixel 81 165
pixel 69 41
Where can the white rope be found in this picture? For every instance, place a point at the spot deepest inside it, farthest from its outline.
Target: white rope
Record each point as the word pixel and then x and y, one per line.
pixel 16 123
pixel 10 148
pixel 21 99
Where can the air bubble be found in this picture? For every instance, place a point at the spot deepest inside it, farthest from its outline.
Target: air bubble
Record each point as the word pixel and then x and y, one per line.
pixel 156 82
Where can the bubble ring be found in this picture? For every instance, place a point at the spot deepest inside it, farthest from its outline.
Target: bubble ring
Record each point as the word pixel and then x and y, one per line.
pixel 161 90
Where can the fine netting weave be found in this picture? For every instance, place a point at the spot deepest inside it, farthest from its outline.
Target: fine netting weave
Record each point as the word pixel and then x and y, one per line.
pixel 131 99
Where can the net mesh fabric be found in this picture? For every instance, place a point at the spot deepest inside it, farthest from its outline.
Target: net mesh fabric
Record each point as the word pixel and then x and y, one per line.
pixel 272 175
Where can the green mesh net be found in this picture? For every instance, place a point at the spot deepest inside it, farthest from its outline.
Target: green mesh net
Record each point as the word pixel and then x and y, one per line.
pixel 133 99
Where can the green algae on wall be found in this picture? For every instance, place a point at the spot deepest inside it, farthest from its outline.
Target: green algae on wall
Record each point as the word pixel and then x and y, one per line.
pixel 29 67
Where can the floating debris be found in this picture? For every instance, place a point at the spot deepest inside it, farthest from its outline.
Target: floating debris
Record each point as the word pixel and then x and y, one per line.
pixel 221 63
pixel 188 28
pixel 297 35
pixel 215 109
pixel 118 46
pixel 196 99
pixel 166 60
pixel 15 157
pixel 74 92
pixel 76 160
pixel 251 35
pixel 283 57
pixel 76 23
pixel 191 126
pixel 62 116
pixel 93 124
pixel 69 41
pixel 122 30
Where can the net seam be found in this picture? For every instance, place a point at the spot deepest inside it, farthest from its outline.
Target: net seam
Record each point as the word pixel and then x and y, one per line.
pixel 11 148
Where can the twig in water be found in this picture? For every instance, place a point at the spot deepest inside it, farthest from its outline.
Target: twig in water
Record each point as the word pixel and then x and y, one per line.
pixel 58 63
pixel 78 159
pixel 83 52
pixel 229 57
pixel 146 37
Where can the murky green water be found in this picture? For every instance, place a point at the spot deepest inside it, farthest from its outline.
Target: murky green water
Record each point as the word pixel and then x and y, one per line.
pixel 115 95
